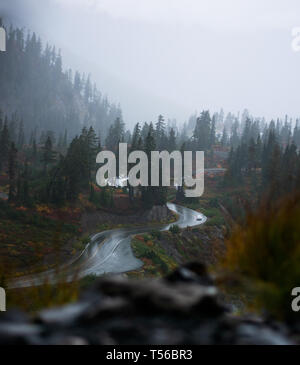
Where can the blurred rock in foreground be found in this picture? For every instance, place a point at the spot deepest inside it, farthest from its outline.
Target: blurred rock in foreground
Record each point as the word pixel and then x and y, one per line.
pixel 181 309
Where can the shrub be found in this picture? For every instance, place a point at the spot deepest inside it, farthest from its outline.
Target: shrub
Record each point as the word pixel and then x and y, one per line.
pixel 146 238
pixel 265 253
pixel 211 212
pixel 156 234
pixel 175 229
pixel 88 281
pixel 216 221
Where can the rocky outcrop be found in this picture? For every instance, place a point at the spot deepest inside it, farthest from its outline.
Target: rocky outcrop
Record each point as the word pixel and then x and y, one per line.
pixel 157 214
pixel 183 308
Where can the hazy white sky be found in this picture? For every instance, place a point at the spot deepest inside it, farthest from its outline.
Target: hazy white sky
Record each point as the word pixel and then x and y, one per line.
pixel 221 14
pixel 177 56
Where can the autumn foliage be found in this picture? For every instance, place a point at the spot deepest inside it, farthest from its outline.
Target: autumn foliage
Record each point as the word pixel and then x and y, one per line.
pixel 265 254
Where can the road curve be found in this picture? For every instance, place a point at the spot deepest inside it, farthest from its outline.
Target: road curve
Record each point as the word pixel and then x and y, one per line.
pixel 109 252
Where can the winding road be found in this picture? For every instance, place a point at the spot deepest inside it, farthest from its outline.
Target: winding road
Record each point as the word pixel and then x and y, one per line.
pixel 109 252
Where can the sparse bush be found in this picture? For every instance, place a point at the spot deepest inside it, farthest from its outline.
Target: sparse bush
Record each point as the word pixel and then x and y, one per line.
pixel 146 238
pixel 214 203
pixel 156 234
pixel 211 212
pixel 174 229
pixel 87 281
pixel 216 221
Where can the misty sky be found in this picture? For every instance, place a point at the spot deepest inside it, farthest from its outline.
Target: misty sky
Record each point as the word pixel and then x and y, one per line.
pixel 173 57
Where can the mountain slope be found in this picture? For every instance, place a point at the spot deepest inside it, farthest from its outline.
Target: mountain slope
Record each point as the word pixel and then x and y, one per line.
pixel 35 88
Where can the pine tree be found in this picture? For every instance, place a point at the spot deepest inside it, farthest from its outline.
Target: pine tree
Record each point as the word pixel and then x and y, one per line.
pixel 172 141
pixel 65 140
pixel 92 145
pixel 136 145
pixel 4 145
pixel 213 132
pixel 135 137
pixel 202 132
pixel 115 135
pixel 12 165
pixel 48 156
pixel 25 190
pixel 234 138
pixel 21 136
pixel 180 196
pixel 34 151
pixel 152 195
pixel 224 139
pixel 160 133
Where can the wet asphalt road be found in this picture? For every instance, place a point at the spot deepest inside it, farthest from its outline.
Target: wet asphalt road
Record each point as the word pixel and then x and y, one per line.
pixel 109 252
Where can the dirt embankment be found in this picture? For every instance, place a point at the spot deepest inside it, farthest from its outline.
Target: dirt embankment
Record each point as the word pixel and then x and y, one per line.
pixel 162 252
pixel 90 221
pixel 204 244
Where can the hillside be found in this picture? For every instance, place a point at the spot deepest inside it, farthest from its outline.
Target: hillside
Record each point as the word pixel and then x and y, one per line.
pixel 36 89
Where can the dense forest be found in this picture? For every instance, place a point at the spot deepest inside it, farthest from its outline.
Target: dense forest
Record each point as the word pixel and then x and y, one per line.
pixel 54 170
pixel 40 95
pixel 268 156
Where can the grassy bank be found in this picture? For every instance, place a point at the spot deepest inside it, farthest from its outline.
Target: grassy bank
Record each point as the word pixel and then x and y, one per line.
pixel 162 252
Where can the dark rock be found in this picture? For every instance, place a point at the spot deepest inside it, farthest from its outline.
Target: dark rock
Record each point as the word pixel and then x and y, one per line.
pixel 182 309
pixel 69 341
pixel 248 334
pixel 19 333
pixel 192 273
pixel 14 316
pixel 63 316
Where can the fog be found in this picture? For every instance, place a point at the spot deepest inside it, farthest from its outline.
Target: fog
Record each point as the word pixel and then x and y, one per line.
pixel 173 57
